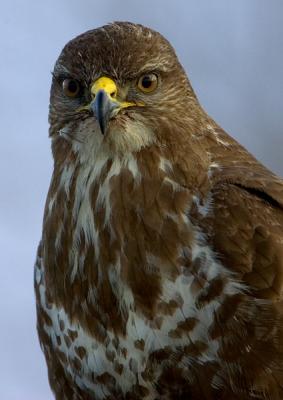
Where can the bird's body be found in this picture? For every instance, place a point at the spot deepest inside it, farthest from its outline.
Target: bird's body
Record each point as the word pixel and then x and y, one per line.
pixel 159 274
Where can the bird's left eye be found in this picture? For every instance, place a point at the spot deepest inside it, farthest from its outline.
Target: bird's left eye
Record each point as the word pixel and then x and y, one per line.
pixel 148 83
pixel 71 87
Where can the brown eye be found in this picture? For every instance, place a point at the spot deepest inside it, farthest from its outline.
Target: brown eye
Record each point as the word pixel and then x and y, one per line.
pixel 148 83
pixel 71 87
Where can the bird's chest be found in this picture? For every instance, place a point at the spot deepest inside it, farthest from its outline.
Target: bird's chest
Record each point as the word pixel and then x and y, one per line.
pixel 131 279
pixel 104 360
pixel 113 235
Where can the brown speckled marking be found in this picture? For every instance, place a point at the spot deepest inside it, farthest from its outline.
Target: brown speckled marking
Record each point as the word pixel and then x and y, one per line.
pixel 118 368
pixel 81 352
pixel 183 328
pixel 139 344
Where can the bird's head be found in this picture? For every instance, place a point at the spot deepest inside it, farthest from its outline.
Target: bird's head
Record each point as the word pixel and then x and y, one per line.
pixel 119 88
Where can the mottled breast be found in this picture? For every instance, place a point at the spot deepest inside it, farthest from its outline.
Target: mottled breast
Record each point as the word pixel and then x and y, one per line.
pixel 126 282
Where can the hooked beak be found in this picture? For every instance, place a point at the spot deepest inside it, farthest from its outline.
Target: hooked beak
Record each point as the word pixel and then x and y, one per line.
pixel 103 107
pixel 105 104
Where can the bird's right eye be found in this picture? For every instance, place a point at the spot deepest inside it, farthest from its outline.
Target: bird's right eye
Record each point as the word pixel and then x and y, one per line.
pixel 71 87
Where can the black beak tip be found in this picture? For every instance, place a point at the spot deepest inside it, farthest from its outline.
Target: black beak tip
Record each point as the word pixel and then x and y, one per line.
pixel 103 107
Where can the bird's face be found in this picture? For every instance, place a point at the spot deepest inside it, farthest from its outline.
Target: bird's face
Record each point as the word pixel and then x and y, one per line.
pixel 113 87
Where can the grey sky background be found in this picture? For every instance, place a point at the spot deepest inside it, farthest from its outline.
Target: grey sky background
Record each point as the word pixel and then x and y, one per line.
pixel 233 52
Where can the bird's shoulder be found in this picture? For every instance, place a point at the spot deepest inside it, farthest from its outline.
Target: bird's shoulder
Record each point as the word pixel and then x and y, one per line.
pixel 244 221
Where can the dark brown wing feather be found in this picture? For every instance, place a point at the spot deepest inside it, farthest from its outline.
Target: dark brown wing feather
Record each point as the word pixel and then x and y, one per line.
pixel 247 234
pixel 244 226
pixel 246 222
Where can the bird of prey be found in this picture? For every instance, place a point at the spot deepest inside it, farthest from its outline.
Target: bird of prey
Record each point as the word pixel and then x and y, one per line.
pixel 159 273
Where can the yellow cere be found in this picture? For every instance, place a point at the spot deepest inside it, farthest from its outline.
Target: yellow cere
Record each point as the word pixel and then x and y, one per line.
pixel 106 84
pixel 109 86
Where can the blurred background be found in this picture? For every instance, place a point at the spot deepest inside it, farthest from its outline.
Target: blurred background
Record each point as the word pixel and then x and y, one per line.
pixel 233 53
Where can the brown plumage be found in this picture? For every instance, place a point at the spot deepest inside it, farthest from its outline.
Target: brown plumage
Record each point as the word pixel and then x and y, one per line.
pixel 160 269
